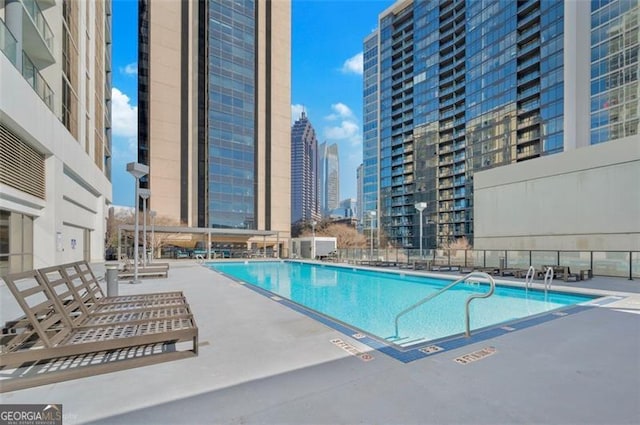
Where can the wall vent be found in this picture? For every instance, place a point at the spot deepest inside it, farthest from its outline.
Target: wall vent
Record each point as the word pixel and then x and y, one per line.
pixel 21 166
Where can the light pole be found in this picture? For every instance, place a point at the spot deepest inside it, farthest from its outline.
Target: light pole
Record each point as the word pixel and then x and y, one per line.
pixel 144 194
pixel 372 214
pixel 420 206
pixel 153 233
pixel 313 239
pixel 137 170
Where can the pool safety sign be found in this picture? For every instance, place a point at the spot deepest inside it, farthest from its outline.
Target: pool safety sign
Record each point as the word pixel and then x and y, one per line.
pixel 365 357
pixel 475 356
pixel 30 414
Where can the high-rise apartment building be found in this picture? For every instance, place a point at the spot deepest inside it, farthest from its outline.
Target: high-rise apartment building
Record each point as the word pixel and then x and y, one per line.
pixel 55 131
pixel 615 91
pixel 214 112
pixel 455 87
pixel 359 192
pixel 328 177
pixel 304 171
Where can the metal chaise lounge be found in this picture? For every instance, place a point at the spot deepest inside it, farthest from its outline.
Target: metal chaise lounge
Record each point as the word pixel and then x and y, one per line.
pixel 85 284
pixel 56 346
pixel 149 270
pixel 90 311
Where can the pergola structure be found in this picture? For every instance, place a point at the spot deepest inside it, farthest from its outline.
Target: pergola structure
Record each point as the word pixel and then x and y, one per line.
pixel 213 234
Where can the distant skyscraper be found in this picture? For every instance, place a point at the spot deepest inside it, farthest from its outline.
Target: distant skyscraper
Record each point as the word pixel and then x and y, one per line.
pixel 55 132
pixel 350 207
pixel 455 87
pixel 615 92
pixel 214 104
pixel 360 195
pixel 304 171
pixel 329 177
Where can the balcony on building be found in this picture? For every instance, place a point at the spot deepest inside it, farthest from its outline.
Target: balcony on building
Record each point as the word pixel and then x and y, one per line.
pixel 37 37
pixel 9 47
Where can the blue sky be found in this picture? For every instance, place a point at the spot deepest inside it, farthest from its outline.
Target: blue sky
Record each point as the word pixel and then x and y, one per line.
pixel 326 72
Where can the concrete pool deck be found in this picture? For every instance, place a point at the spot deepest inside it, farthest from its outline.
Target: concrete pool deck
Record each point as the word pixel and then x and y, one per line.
pixel 263 363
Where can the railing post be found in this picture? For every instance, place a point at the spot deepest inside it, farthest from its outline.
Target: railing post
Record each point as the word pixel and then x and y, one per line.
pixel 530 259
pixel 558 262
pixel 630 265
pixel 591 261
pixel 484 258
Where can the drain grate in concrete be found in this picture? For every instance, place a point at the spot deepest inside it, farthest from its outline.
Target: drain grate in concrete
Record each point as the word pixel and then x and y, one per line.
pixel 352 350
pixel 475 356
pixel 431 349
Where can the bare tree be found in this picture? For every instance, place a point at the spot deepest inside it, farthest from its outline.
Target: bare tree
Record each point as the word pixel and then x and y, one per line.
pixel 163 239
pixel 114 220
pixel 457 244
pixel 127 216
pixel 347 236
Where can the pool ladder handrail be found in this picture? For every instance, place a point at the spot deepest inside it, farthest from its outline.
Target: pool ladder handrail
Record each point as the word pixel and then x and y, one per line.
pixel 492 287
pixel 548 278
pixel 528 279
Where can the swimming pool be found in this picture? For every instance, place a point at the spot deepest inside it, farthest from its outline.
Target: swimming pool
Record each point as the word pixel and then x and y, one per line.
pixel 369 301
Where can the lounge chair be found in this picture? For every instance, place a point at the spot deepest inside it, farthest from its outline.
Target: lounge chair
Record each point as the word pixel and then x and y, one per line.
pixel 568 275
pixel 54 335
pixel 93 308
pixel 86 285
pixel 149 270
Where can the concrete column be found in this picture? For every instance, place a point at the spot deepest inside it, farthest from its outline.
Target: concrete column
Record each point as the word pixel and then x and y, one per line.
pixel 13 20
pixel 577 74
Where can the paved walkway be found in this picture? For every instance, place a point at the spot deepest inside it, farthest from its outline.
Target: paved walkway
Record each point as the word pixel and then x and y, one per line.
pixel 263 363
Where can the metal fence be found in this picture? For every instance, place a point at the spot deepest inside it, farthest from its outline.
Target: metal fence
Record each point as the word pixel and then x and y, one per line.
pixel 602 263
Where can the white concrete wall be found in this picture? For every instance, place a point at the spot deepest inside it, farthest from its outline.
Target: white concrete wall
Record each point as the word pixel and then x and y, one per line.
pixel 76 190
pixel 584 199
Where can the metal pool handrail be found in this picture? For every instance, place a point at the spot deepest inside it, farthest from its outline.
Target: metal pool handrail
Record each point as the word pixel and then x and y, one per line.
pixel 492 288
pixel 528 279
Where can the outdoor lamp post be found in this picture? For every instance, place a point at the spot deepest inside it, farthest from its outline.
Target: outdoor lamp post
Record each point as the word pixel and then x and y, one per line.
pixel 372 214
pixel 137 170
pixel 313 239
pixel 152 214
pixel 420 206
pixel 144 194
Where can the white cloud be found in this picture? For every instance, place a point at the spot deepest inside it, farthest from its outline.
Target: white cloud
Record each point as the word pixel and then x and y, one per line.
pixel 353 65
pixel 346 128
pixel 130 69
pixel 340 111
pixel 124 116
pixel 296 111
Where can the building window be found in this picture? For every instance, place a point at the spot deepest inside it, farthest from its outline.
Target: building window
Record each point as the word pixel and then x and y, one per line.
pixel 16 242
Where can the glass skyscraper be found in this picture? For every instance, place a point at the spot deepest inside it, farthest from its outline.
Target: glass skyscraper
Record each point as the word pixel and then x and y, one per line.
pixel 614 69
pixel 328 178
pixel 304 171
pixel 216 133
pixel 455 87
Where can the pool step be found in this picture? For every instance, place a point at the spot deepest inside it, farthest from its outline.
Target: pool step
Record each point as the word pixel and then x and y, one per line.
pixel 413 342
pixel 405 341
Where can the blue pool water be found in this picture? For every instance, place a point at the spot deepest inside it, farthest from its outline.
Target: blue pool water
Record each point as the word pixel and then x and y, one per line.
pixel 370 300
